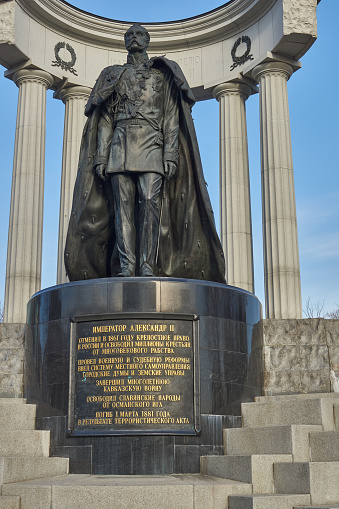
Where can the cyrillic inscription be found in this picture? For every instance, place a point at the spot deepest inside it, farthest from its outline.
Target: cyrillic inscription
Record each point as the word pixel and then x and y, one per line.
pixel 134 375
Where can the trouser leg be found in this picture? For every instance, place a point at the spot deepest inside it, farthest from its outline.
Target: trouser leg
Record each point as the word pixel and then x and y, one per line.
pixel 149 196
pixel 123 187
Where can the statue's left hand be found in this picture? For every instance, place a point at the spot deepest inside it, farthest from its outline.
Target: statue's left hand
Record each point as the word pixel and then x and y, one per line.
pixel 170 169
pixel 100 171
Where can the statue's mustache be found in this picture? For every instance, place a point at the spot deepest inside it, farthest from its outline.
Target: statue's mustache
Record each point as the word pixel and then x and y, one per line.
pixel 134 40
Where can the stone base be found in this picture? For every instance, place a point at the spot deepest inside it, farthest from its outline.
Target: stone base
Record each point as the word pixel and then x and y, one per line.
pixel 293 356
pixel 300 356
pixel 12 353
pixel 229 327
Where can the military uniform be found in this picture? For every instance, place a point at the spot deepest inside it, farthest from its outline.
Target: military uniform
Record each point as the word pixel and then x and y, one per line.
pixel 137 132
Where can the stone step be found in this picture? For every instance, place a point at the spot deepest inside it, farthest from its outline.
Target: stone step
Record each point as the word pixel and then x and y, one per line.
pixel 331 506
pixel 256 469
pixel 185 491
pixel 324 446
pixel 16 468
pixel 299 397
pixel 16 416
pixel 318 411
pixel 267 501
pixel 14 401
pixel 9 502
pixel 320 480
pixel 269 440
pixel 24 443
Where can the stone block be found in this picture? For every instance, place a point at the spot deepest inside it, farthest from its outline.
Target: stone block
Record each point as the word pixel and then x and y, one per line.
pixel 128 492
pixel 35 496
pixel 283 357
pixel 11 385
pixel 324 482
pixel 333 353
pixel 255 469
pixel 315 381
pixel 324 446
pixel 16 416
pixel 312 331
pixel 12 335
pixel 9 502
pixel 11 360
pixel 332 332
pixel 285 412
pixel 238 468
pixel 320 480
pixel 280 332
pixel 16 469
pixel 281 382
pixel 125 497
pixel 314 357
pixel 24 443
pixel 294 331
pixel 267 501
pixel 299 355
pixel 292 478
pixel 270 440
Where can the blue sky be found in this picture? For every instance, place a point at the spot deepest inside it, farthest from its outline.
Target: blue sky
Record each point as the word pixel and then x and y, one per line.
pixel 315 139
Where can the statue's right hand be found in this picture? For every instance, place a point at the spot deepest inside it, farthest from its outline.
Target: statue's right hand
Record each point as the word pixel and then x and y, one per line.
pixel 101 171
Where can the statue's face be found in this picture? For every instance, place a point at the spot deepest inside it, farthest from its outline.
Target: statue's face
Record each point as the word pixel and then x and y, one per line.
pixel 136 39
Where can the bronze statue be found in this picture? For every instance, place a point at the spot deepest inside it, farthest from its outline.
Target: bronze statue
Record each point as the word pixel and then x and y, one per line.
pixel 140 204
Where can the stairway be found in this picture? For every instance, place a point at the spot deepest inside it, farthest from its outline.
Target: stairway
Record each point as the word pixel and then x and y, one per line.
pixel 287 449
pixel 285 456
pixel 24 451
pixel 31 480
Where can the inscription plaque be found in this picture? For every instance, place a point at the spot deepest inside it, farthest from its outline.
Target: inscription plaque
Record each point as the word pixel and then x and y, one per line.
pixel 134 374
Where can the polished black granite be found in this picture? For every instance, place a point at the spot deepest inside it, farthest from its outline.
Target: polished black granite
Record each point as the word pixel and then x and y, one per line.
pixel 230 368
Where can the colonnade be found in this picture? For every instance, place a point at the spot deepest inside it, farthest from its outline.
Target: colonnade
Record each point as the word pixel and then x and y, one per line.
pixel 280 238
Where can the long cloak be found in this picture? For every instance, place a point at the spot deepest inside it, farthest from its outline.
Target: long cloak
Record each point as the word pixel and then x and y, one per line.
pixel 188 244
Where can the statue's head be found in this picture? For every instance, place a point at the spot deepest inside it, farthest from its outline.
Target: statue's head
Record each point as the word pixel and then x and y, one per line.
pixel 136 38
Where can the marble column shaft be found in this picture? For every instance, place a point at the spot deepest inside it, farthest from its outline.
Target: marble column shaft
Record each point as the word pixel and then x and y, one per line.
pixel 24 251
pixel 235 206
pixel 75 99
pixel 281 251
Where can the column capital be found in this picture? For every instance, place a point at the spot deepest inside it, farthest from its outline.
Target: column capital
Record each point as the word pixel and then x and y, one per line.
pixel 275 67
pixel 33 75
pixel 74 93
pixel 232 87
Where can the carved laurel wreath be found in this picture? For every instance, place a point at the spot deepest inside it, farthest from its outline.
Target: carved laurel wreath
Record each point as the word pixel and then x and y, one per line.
pixel 246 56
pixel 65 66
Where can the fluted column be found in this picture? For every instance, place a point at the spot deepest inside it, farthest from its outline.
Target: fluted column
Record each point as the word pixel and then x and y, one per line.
pixel 75 99
pixel 235 206
pixel 281 251
pixel 24 251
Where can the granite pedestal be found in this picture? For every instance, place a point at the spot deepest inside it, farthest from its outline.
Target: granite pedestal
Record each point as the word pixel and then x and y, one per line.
pixel 228 370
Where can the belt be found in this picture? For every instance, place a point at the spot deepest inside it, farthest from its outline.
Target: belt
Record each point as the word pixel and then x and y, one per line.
pixel 132 121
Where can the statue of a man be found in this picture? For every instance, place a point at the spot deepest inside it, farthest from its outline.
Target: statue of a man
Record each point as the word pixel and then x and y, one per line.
pixel 140 204
pixel 137 146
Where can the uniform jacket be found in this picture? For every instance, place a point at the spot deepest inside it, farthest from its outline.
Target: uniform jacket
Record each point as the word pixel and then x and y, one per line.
pixel 139 125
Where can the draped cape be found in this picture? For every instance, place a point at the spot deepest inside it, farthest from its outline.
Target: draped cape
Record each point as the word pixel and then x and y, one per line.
pixel 188 244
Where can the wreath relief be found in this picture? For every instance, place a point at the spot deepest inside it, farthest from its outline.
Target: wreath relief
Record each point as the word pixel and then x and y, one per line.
pixel 246 56
pixel 65 66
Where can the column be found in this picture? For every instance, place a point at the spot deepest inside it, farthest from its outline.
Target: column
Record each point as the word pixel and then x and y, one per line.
pixel 75 99
pixel 24 251
pixel 281 251
pixel 235 206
